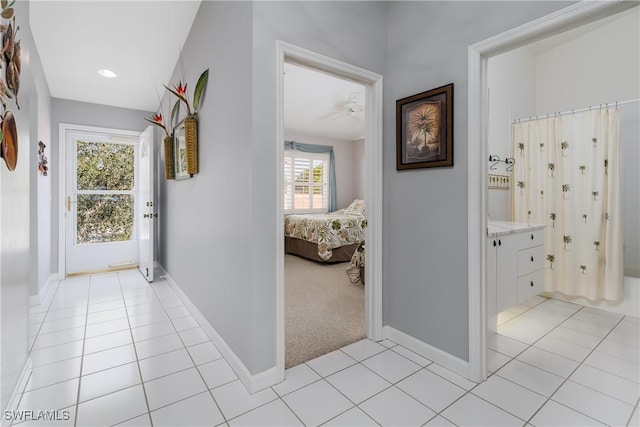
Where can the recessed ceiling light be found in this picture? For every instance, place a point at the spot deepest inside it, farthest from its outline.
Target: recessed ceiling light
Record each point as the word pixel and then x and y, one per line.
pixel 107 73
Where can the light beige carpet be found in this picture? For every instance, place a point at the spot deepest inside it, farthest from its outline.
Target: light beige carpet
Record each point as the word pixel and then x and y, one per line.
pixel 323 310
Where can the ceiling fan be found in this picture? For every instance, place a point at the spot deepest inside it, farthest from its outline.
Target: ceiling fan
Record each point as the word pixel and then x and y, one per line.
pixel 351 108
pixel 354 106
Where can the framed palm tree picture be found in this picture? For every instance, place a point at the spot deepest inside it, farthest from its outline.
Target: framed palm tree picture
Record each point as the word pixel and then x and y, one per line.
pixel 424 129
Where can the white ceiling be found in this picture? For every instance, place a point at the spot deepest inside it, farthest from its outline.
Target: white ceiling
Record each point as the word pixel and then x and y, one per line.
pixel 139 40
pixel 319 104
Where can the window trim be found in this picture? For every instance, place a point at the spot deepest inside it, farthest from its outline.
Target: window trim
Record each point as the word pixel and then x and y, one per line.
pixel 325 157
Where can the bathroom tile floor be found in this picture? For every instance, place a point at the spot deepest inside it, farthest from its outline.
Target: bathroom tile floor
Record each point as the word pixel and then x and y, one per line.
pixel 114 350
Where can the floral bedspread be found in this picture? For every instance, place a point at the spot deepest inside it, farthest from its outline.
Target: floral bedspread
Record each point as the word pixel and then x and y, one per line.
pixel 357 261
pixel 328 231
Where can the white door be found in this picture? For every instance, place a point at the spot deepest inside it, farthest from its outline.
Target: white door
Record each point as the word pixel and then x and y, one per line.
pixel 147 216
pixel 101 202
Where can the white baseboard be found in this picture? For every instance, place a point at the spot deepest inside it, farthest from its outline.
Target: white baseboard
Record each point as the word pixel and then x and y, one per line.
pixel 630 306
pixel 14 400
pixel 434 354
pixel 57 276
pixel 37 299
pixel 252 382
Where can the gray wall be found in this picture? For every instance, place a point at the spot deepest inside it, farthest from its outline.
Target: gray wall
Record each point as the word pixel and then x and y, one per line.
pixel 43 208
pixel 227 264
pixel 17 195
pixel 630 174
pixel 425 211
pixel 205 222
pixel 353 32
pixel 86 114
pixel 218 242
pixel 40 187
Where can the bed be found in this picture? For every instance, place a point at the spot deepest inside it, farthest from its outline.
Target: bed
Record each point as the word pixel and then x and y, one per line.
pixel 331 237
pixel 355 270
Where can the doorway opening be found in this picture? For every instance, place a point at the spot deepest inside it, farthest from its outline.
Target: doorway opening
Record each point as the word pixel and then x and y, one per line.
pixel 100 199
pixel 325 212
pixel 478 172
pixel 368 106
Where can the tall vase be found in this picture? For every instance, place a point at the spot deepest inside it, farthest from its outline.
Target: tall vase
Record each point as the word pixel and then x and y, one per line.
pixel 191 143
pixel 168 158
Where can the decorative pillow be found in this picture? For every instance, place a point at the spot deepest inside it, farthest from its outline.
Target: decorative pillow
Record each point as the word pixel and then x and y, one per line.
pixel 355 208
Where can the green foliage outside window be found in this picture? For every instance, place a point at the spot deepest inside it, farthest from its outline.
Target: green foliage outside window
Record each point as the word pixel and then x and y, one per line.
pixel 318 177
pixel 105 167
pixel 104 218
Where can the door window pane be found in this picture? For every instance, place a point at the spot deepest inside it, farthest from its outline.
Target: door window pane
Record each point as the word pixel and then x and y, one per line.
pixel 105 166
pixel 104 218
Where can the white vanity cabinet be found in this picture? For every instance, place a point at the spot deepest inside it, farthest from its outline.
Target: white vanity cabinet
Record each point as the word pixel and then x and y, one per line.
pixel 515 264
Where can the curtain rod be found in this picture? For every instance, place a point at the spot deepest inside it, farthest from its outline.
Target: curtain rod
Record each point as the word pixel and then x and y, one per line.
pixel 580 110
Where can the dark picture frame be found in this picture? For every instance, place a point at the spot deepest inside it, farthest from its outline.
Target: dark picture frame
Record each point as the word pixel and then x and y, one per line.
pixel 424 129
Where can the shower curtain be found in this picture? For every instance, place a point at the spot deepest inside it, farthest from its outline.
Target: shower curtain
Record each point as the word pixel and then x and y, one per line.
pixel 567 176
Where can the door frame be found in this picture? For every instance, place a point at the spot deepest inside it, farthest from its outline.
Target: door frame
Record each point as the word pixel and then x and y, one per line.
pixel 150 207
pixel 373 185
pixel 565 19
pixel 63 128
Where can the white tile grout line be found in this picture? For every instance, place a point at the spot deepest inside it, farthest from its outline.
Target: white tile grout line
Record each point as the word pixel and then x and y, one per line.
pixel 127 363
pixel 578 367
pixel 82 355
pixel 137 360
pixel 357 362
pixel 635 408
pixel 565 379
pixel 226 420
pixel 44 318
pixel 75 420
pixel 31 349
pixel 107 333
pixel 470 391
pixel 192 361
pixel 286 405
pixel 391 384
pixel 135 352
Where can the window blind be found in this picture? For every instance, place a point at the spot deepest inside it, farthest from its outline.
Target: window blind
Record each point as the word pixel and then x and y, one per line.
pixel 306 182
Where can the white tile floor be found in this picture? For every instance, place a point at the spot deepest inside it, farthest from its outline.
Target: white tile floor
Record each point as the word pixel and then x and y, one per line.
pixel 114 350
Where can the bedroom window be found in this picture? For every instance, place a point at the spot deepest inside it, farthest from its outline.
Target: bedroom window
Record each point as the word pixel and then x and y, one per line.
pixel 306 182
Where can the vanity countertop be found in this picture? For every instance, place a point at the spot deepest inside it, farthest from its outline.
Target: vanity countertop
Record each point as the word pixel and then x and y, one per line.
pixel 500 228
